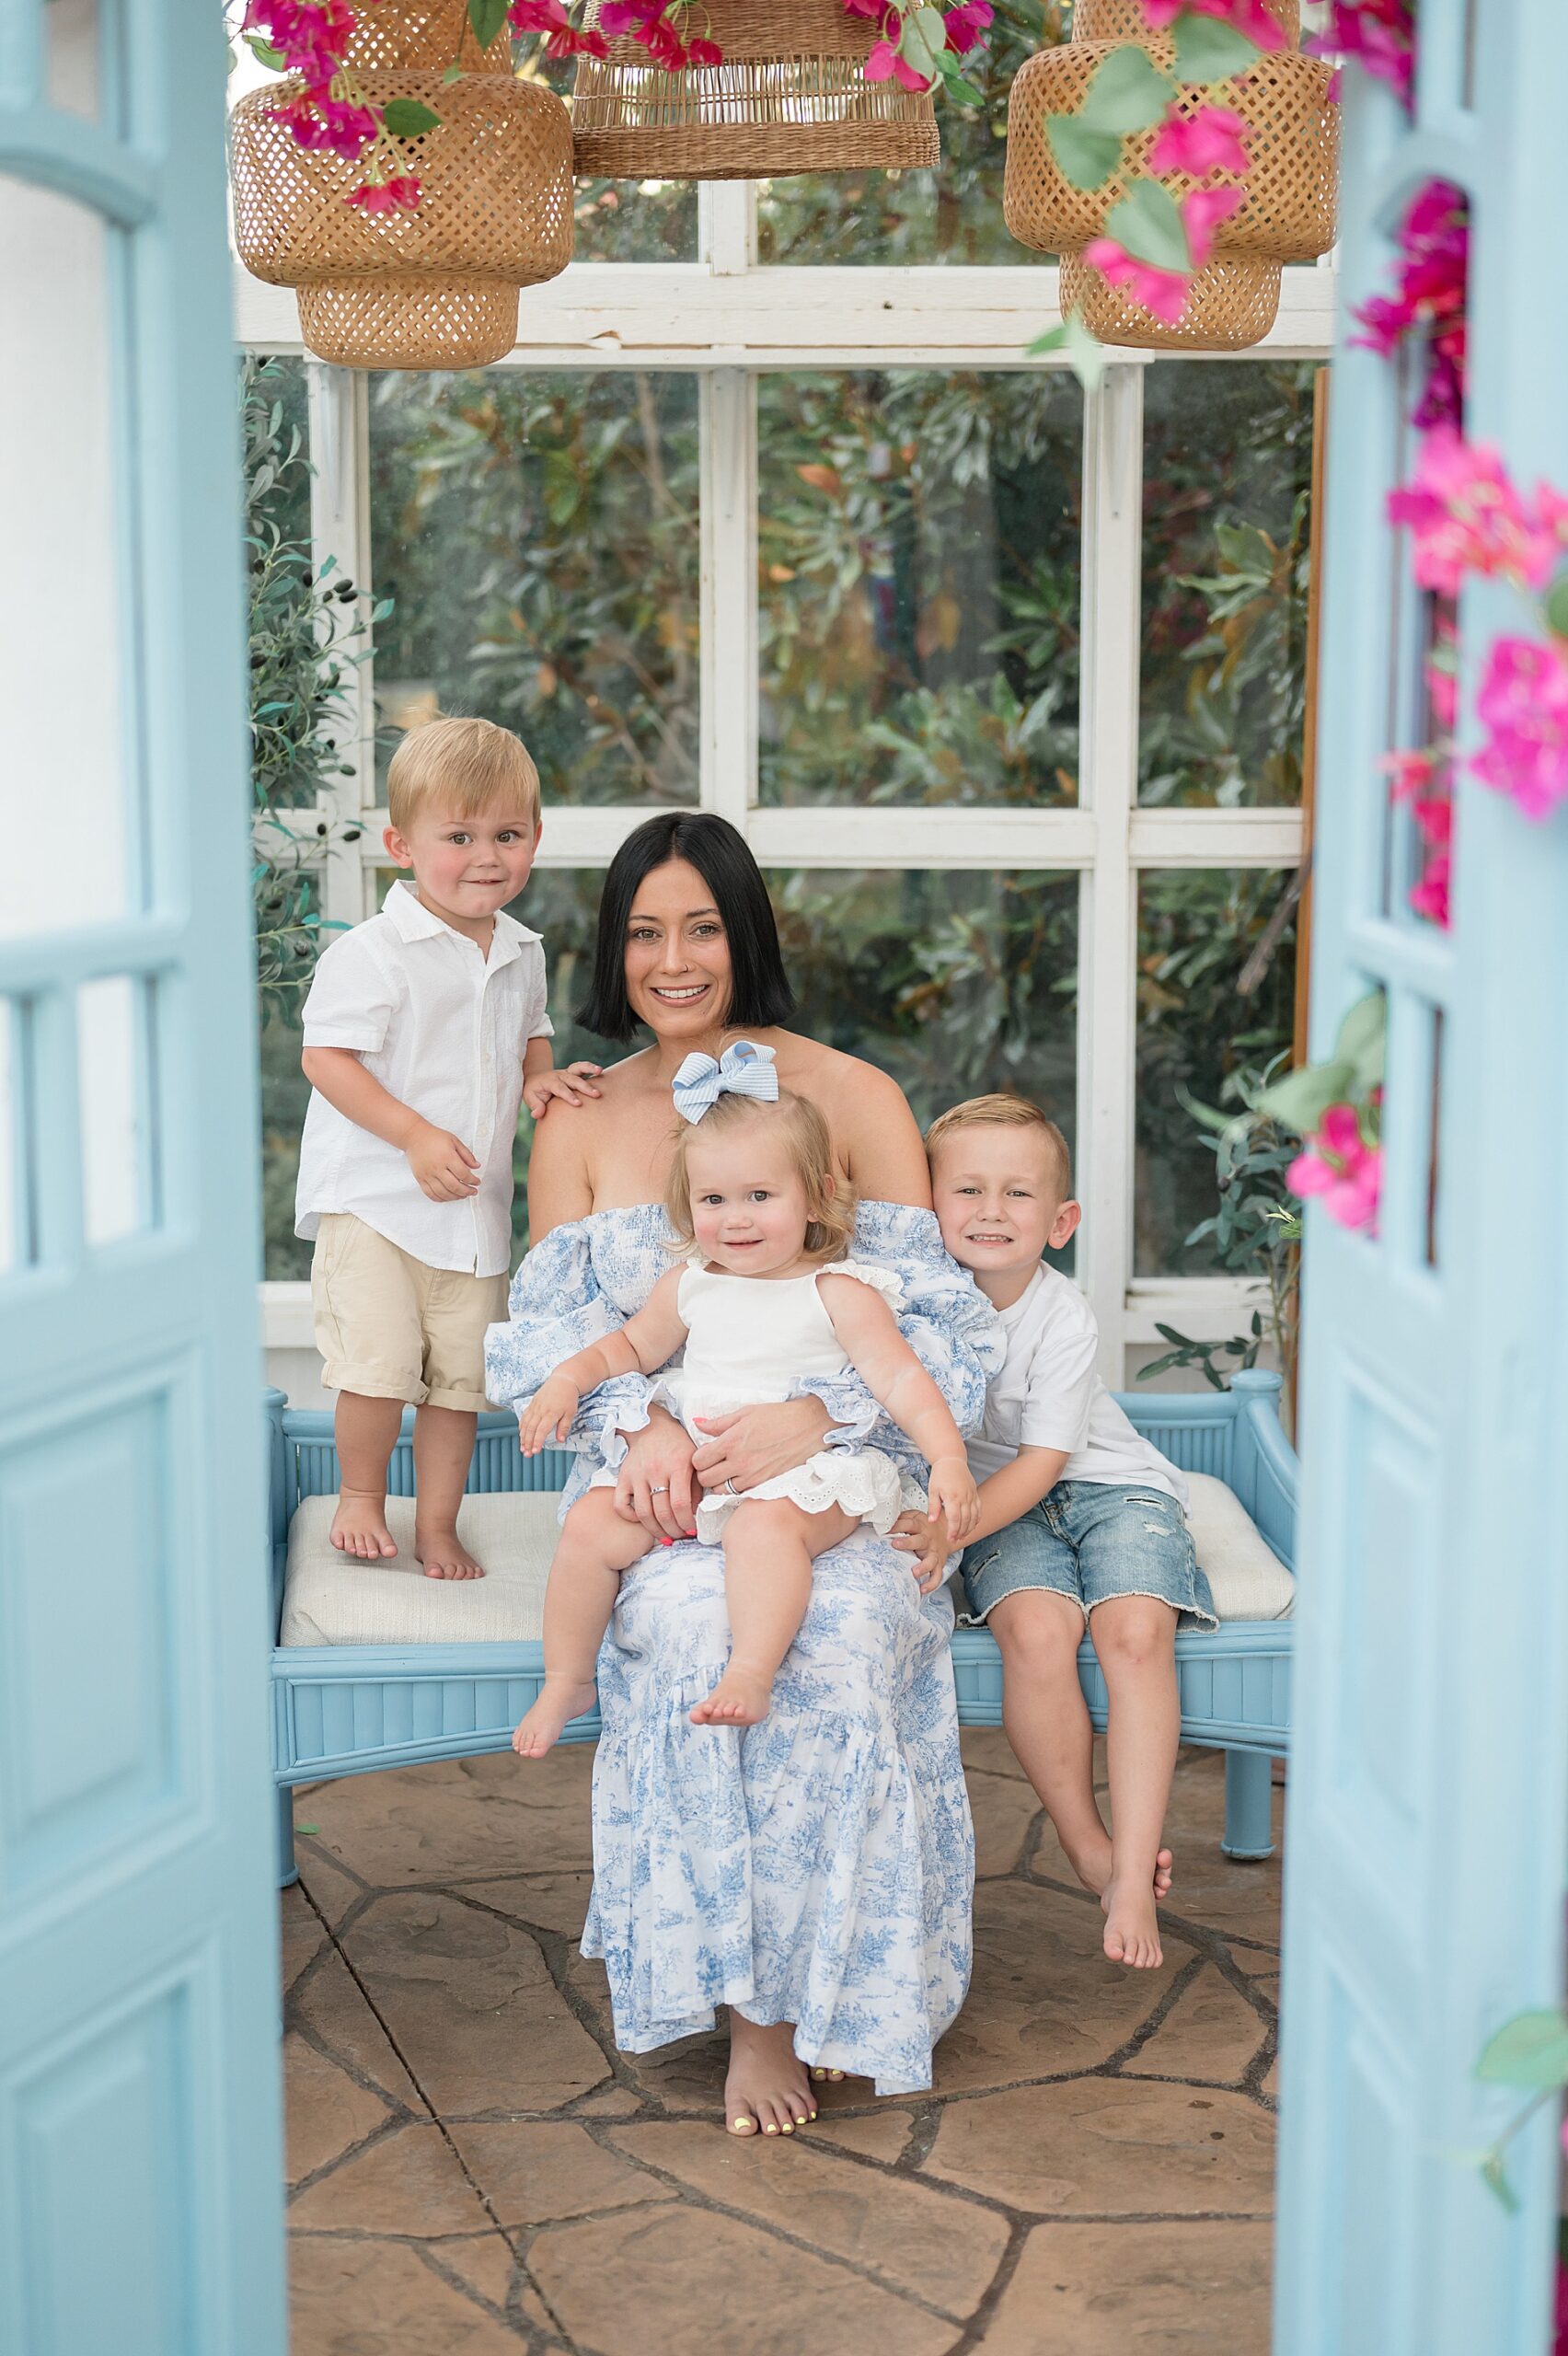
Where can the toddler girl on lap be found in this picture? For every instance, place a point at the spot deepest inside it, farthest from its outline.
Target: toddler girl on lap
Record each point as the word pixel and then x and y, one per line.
pixel 764 1298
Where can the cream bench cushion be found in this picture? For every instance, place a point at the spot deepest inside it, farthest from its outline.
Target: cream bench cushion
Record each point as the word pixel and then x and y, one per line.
pixel 328 1600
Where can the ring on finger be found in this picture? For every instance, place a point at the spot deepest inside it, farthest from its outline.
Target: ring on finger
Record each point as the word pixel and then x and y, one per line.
pixel 659 1489
pixel 730 1489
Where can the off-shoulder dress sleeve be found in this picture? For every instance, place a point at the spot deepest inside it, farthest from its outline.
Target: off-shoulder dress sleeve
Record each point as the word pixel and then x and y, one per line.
pixel 944 1317
pixel 556 1308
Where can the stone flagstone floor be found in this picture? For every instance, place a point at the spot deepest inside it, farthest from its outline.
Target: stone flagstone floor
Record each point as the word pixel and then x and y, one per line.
pixel 475 2171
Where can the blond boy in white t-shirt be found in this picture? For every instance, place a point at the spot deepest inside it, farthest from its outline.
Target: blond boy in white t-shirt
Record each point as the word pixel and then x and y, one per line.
pixel 1082 1522
pixel 424 1028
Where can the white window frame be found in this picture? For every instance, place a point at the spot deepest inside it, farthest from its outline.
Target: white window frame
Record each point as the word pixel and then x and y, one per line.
pixel 727 320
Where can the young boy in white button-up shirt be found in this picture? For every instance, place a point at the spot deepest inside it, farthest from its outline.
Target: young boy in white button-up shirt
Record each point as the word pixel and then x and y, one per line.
pixel 423 1030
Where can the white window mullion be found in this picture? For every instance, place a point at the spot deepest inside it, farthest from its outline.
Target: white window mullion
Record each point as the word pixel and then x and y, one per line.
pixel 726 227
pixel 340 531
pixel 1113 533
pixel 729 652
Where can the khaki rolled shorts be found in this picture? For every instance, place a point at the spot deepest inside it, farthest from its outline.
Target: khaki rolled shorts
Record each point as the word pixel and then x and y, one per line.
pixel 390 1327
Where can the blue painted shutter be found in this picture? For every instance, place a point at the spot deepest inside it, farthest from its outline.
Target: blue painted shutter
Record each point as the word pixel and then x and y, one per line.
pixel 140 2203
pixel 1426 1835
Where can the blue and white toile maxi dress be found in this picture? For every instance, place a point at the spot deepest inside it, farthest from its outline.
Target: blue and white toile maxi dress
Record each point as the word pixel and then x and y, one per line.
pixel 818 1867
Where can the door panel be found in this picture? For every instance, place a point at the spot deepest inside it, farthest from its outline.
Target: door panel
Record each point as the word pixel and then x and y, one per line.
pixel 140 2163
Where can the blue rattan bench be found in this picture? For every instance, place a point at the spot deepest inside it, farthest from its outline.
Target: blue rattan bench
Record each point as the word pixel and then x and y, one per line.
pixel 348 1709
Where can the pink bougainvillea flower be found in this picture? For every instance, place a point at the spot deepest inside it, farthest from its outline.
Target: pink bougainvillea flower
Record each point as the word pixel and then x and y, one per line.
pixel 1522 704
pixel 1379 35
pixel 1465 515
pixel 967 24
pixel 885 60
pixel 705 53
pixel 1339 1166
pixel 1431 896
pixel 1429 299
pixel 1209 142
pixel 1247 16
pixel 1203 210
pixel 1162 293
pixel 400 194
pixel 1409 773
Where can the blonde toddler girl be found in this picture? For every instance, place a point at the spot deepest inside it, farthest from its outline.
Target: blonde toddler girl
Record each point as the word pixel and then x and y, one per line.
pixel 764 1298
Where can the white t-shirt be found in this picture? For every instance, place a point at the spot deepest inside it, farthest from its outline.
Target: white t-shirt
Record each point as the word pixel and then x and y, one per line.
pixel 444 1030
pixel 1048 1395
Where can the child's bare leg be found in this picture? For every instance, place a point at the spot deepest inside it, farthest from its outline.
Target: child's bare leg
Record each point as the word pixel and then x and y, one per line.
pixel 766 2085
pixel 1038 1632
pixel 594 1547
pixel 367 1432
pixel 444 1449
pixel 1134 1636
pixel 769 1547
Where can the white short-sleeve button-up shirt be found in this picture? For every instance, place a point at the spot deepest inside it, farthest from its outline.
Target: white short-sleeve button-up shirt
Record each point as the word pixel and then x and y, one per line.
pixel 444 1030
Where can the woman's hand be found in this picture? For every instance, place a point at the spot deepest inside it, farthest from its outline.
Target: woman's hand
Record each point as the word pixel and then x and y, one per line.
pixel 654 1484
pixel 756 1444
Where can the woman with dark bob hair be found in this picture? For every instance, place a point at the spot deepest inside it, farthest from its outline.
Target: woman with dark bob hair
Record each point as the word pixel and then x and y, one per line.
pixel 813 1873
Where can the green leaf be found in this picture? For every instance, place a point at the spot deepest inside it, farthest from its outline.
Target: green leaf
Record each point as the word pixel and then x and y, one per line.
pixel 1495 2176
pixel 1086 158
pixel 1208 51
pixel 1556 608
pixel 453 73
pixel 487 18
pixel 1362 1039
pixel 1147 223
pixel 1530 2050
pixel 308 1828
pixel 409 117
pixel 1301 1098
pixel 1128 92
pixel 264 53
pixel 1086 356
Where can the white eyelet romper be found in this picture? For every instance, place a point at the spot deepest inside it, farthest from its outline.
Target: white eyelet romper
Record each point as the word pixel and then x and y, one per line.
pixel 751 1340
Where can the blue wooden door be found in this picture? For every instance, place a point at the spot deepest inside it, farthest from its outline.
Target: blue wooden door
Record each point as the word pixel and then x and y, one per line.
pixel 1426 1839
pixel 139 2144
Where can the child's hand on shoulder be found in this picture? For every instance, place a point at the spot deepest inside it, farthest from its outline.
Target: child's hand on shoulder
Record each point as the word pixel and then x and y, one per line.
pixel 915 1534
pixel 549 1414
pixel 952 1491
pixel 571 1086
pixel 441 1163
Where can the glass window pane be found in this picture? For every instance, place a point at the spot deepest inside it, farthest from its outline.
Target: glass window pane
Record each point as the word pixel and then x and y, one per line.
pixel 537 535
pixel 63 689
pixel 285 1093
pixel 918 546
pixel 73 56
pixel 1216 1003
pixel 953 215
pixel 1227 472
pixel 956 981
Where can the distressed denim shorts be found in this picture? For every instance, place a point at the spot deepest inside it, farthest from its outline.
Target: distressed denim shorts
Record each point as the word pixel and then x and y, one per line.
pixel 1093 1539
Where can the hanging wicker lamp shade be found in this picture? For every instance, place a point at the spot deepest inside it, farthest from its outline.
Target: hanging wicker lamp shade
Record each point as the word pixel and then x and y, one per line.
pixel 790 96
pixel 436 288
pixel 1292 139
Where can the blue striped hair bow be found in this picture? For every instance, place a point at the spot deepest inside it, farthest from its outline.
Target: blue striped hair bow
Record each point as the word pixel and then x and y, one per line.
pixel 743 1069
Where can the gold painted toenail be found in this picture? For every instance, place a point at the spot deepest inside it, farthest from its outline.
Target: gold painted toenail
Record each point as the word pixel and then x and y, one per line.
pixel 788 2130
pixel 739 2127
pixel 770 2131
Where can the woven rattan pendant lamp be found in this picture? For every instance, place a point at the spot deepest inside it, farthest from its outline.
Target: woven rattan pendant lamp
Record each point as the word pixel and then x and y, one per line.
pixel 1292 137
pixel 791 96
pixel 433 288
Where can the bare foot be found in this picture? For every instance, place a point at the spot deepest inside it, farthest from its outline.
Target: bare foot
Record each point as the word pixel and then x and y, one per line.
pixel 1091 1864
pixel 1132 1927
pixel 561 1700
pixel 359 1527
pixel 741 1697
pixel 766 2086
pixel 444 1556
